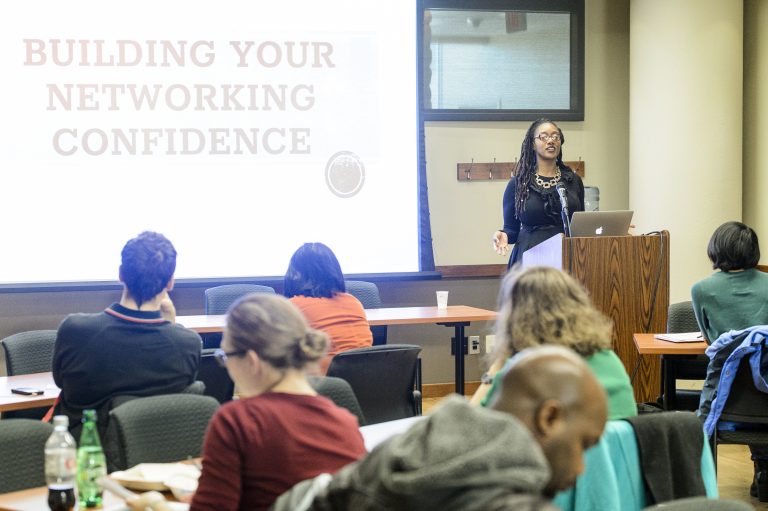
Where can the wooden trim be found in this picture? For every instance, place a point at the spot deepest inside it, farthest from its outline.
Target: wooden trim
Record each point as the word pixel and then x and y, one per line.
pixel 472 270
pixel 438 390
pixel 479 172
pixel 762 267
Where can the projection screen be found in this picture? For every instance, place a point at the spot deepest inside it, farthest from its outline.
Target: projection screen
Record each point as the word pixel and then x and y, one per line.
pixel 238 129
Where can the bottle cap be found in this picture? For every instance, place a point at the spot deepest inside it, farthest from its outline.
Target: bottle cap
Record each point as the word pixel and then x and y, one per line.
pixel 61 420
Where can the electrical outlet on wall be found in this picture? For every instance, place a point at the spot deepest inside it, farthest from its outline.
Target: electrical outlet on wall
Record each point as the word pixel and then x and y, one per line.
pixel 489 340
pixel 474 344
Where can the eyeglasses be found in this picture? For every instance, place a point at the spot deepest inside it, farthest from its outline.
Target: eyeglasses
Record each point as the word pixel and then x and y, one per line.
pixel 221 356
pixel 554 137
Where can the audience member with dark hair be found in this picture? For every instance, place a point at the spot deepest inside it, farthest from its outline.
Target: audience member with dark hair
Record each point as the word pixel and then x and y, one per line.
pixel 517 455
pixel 542 305
pixel 735 296
pixel 315 284
pixel 134 347
pixel 531 205
pixel 280 431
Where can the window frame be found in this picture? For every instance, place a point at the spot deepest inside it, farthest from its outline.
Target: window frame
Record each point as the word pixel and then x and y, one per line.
pixel 573 7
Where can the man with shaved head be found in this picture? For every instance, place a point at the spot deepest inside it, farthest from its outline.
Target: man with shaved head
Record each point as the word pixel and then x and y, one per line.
pixel 516 455
pixel 554 393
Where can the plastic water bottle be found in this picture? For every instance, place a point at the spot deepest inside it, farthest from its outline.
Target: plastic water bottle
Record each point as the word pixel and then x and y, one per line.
pixel 91 464
pixel 61 466
pixel 591 198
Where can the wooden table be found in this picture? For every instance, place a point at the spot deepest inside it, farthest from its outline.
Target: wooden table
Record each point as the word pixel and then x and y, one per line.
pixel 456 316
pixel 647 344
pixel 36 499
pixel 10 401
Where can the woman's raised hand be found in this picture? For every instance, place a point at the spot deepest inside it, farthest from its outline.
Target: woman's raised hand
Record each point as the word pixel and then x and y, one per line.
pixel 500 242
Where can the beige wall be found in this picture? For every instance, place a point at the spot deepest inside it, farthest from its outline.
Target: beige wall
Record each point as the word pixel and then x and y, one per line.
pixel 755 202
pixel 465 215
pixel 685 125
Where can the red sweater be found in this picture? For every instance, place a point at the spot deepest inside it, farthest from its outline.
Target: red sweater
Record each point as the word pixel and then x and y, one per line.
pixel 257 448
pixel 341 317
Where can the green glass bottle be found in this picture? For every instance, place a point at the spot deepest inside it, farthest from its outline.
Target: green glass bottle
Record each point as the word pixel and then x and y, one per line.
pixel 91 464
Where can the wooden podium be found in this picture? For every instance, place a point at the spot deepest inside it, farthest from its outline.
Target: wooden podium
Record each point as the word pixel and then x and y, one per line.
pixel 627 278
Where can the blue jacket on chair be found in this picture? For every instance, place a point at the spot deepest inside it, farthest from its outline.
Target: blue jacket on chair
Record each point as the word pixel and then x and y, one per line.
pixel 725 355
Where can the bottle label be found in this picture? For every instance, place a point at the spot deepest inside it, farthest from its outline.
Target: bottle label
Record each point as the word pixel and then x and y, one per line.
pixel 91 466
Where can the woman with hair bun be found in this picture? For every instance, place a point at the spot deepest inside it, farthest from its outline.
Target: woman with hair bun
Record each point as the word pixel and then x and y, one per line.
pixel 280 431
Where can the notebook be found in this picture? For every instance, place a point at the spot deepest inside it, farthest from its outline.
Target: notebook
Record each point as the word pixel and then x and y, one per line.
pixel 586 224
pixel 684 337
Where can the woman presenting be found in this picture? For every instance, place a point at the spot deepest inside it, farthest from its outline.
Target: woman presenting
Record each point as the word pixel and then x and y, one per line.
pixel 531 203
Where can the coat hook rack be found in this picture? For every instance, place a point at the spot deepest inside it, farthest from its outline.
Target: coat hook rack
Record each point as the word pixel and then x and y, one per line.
pixel 501 171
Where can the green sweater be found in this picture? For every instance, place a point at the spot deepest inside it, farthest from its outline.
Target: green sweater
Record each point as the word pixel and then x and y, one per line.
pixel 730 301
pixel 610 373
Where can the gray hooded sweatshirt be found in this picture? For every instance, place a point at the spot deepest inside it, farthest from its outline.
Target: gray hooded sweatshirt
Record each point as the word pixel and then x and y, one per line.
pixel 460 458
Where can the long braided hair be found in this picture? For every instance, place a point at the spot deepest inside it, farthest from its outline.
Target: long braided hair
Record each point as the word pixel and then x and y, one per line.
pixel 526 165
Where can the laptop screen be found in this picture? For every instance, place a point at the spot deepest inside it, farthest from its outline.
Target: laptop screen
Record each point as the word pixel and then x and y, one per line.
pixel 585 224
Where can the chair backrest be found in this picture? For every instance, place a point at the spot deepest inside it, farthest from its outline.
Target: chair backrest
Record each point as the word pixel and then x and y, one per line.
pixel 219 298
pixel 681 318
pixel 745 403
pixel 29 352
pixel 218 384
pixel 383 379
pixel 22 444
pixel 340 392
pixel 368 294
pixel 157 429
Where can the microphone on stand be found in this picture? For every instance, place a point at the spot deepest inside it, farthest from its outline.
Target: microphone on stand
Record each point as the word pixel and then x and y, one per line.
pixel 564 209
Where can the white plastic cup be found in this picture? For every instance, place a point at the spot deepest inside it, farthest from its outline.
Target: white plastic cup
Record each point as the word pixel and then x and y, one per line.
pixel 442 299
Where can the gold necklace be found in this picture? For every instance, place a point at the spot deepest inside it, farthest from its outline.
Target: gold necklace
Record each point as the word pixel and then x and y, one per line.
pixel 551 182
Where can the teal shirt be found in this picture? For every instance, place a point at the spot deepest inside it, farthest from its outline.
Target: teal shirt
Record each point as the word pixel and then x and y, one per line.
pixel 727 301
pixel 610 373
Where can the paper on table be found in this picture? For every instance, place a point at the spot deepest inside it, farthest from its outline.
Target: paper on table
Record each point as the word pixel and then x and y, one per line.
pixel 683 337
pixel 151 476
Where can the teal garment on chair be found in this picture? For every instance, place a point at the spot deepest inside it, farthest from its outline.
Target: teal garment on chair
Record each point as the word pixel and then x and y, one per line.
pixel 613 479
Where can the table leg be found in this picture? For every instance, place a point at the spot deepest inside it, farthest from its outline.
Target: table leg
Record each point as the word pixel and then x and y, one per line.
pixel 668 383
pixel 458 350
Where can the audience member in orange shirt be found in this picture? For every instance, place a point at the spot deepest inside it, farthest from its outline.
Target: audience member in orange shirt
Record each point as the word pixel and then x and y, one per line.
pixel 314 283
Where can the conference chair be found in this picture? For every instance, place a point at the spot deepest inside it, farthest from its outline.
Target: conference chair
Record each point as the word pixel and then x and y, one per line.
pixel 29 352
pixel 22 443
pixel 218 384
pixel 26 353
pixel 747 405
pixel 218 300
pixel 157 429
pixel 385 379
pixel 368 294
pixel 680 319
pixel 340 392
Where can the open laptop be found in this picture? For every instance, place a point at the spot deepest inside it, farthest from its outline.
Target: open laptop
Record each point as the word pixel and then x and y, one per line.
pixel 585 224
